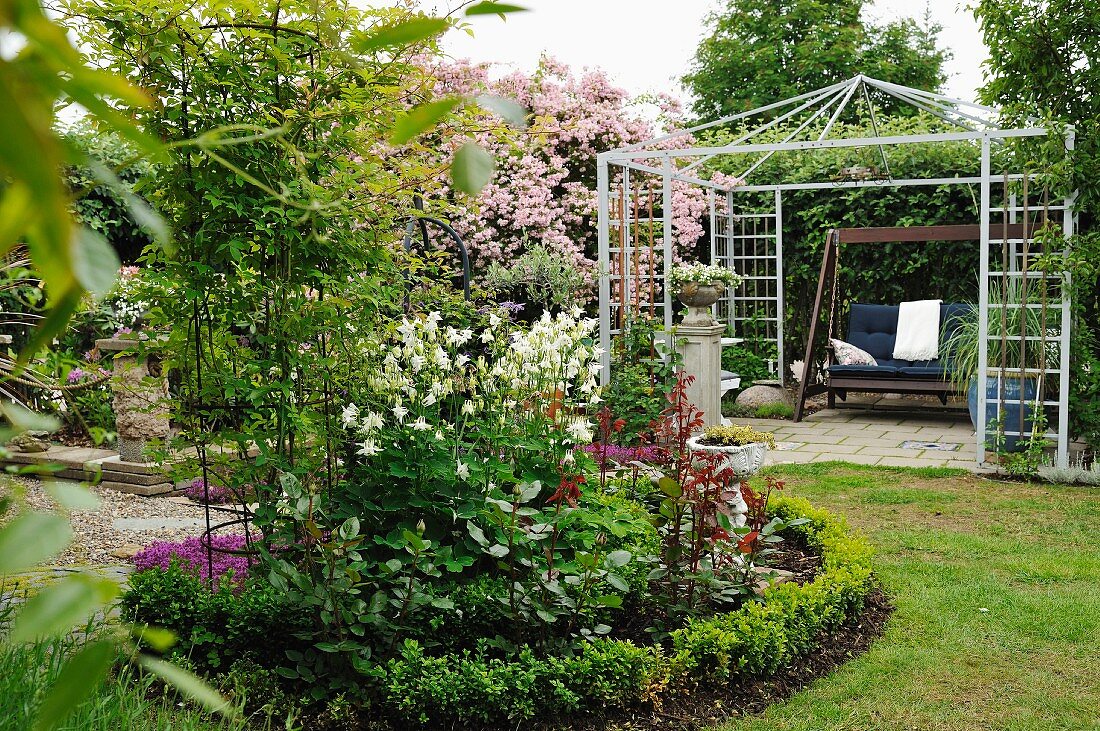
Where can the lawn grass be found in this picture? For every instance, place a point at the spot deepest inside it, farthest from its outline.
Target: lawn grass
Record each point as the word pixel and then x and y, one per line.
pixel 124 701
pixel 997 588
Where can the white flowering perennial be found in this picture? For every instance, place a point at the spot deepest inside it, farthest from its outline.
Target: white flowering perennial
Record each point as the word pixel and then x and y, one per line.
pixel 699 273
pixel 438 387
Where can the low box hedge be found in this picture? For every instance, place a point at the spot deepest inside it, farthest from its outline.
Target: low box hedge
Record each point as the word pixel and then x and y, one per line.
pixel 471 689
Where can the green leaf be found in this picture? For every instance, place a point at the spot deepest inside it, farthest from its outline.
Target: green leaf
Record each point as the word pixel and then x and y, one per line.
pixel 159 639
pixel 498 550
pixel 618 558
pixel 609 600
pixel 422 118
pixel 72 497
pixel 490 7
pixel 25 420
pixel 95 263
pixel 76 681
pixel 58 608
pixel 507 109
pixel 476 533
pixel 405 33
pixel 670 487
pixel 349 528
pixel 618 582
pixel 471 169
pixel 32 538
pixel 189 684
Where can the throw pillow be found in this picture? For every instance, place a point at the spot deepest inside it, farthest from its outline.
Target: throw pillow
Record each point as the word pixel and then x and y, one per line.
pixel 848 354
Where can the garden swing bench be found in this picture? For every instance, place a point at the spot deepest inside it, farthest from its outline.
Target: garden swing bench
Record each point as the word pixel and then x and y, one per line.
pixel 873 327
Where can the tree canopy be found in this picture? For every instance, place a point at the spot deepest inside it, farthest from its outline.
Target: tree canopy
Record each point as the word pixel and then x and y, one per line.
pixel 761 51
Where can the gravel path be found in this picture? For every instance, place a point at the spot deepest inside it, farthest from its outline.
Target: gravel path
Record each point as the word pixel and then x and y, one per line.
pixel 122 524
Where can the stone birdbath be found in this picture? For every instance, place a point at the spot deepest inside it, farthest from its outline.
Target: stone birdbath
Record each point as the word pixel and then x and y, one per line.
pixel 142 408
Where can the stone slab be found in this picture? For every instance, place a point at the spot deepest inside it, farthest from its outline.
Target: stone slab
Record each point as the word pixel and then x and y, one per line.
pixel 145 490
pixel 151 524
pixel 73 457
pixel 870 441
pixel 912 462
pixel 117 464
pixel 853 458
pixel 831 448
pixel 895 452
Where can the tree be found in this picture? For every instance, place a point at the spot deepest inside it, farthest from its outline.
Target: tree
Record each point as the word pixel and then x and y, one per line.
pixel 761 51
pixel 1043 64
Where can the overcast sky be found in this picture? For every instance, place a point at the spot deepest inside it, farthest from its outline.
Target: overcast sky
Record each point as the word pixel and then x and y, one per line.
pixel 646 45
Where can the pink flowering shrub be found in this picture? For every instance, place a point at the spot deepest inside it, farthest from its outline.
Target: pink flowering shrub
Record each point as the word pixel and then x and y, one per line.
pixel 191 556
pixel 544 189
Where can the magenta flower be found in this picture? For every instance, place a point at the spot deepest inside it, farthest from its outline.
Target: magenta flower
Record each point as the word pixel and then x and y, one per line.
pixel 191 555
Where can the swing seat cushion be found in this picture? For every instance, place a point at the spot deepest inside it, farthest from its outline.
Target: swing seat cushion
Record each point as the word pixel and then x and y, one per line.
pixel 874 328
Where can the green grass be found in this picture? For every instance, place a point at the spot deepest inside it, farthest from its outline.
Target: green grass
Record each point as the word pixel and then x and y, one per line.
pixel 126 701
pixel 997 587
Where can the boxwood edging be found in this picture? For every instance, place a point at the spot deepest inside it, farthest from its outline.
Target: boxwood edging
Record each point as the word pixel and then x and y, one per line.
pixel 756 640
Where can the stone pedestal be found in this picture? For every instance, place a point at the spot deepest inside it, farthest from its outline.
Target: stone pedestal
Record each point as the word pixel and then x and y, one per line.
pixel 142 410
pixel 700 346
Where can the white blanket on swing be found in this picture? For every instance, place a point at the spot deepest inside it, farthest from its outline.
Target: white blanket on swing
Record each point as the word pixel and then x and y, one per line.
pixel 918 336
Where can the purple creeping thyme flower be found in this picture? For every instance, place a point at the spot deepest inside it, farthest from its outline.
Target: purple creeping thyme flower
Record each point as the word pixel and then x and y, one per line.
pixel 76 374
pixel 191 555
pixel 218 494
pixel 623 455
pixel 123 331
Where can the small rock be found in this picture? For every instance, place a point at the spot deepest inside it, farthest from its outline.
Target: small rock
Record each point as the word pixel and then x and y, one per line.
pixel 756 396
pixel 128 550
pixel 31 441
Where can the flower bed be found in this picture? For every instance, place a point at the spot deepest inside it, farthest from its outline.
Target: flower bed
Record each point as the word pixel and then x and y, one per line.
pixel 477 689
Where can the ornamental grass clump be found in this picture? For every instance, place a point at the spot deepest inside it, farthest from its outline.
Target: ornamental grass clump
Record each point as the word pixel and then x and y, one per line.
pixel 736 436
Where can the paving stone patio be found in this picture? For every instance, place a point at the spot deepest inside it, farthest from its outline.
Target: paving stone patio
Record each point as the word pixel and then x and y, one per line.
pixel 937 438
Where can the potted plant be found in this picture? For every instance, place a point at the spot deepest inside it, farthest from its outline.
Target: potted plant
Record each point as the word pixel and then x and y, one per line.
pixel 1018 392
pixel 742 448
pixel 699 286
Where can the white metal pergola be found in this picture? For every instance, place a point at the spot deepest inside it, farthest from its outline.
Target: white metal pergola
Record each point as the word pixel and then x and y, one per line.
pixel 746 221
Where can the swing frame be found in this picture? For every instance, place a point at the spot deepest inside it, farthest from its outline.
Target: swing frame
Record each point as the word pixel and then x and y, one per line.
pixel 829 279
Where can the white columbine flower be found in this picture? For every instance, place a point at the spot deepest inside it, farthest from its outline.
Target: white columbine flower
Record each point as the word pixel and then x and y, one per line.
pixel 494 320
pixel 417 362
pixel 400 412
pixel 462 471
pixel 429 399
pixel 420 424
pixel 468 408
pixel 369 448
pixel 371 422
pixel 487 336
pixel 350 415
pixel 581 431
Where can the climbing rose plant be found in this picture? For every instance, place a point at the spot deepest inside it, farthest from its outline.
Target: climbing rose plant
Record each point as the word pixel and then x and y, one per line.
pixel 544 189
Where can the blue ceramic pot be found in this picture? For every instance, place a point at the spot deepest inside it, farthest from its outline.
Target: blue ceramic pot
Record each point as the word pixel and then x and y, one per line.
pixel 1010 410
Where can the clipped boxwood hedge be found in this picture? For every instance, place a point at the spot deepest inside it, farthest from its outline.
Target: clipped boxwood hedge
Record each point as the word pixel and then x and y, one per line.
pixel 469 689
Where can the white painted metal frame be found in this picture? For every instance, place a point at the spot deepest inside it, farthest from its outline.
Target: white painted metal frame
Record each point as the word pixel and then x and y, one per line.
pixel 661 156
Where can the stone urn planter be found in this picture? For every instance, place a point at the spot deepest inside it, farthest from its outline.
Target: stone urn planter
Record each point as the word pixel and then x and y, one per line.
pixel 743 460
pixel 698 298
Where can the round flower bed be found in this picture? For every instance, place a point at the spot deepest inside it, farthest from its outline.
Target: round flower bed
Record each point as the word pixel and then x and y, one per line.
pixel 475 689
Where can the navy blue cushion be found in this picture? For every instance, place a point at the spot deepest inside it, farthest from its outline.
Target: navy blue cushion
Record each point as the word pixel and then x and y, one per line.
pixel 933 371
pixel 874 329
pixel 863 370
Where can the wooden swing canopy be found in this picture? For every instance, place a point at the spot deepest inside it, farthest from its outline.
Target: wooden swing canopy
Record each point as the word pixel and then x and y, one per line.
pixel 828 280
